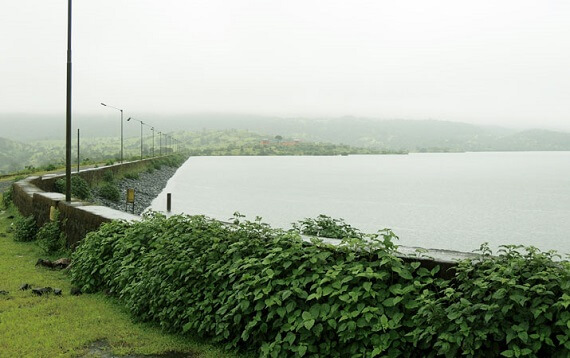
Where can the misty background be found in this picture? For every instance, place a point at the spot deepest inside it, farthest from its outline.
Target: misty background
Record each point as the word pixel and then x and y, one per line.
pixel 177 63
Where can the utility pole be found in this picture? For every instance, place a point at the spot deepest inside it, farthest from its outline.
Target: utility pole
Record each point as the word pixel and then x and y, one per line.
pixel 68 110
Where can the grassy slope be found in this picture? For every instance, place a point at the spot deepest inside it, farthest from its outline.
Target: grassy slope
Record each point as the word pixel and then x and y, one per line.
pixel 65 326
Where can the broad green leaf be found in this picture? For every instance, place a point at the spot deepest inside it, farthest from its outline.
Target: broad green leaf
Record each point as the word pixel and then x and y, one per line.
pixel 309 324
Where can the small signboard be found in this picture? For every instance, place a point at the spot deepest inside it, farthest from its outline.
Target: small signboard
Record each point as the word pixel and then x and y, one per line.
pixel 130 196
pixel 130 199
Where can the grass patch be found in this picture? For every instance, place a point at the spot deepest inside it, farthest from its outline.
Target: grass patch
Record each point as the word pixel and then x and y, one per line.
pixel 66 326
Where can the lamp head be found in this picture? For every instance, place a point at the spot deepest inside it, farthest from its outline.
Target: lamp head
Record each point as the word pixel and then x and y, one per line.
pixel 128 119
pixel 103 104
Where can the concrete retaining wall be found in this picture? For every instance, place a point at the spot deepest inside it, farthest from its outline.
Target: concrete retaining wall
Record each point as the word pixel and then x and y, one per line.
pixel 93 176
pixel 34 196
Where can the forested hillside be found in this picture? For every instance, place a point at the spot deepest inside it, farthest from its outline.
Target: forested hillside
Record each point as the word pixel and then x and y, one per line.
pixel 210 134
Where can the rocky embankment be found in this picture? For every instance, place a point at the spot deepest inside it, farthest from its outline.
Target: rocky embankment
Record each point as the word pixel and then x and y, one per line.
pixel 147 187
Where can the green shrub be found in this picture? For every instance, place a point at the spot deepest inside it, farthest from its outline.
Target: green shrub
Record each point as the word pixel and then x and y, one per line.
pixel 50 238
pixel 108 176
pixel 110 191
pixel 50 167
pixel 25 228
pixel 325 226
pixel 79 187
pixel 7 197
pixel 150 170
pixel 515 304
pixel 253 287
pixel 132 176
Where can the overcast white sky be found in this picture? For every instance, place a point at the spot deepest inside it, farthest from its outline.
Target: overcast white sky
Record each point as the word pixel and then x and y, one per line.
pixel 503 62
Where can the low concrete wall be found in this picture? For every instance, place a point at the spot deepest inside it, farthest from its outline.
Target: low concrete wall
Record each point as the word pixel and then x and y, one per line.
pixel 33 196
pixel 93 175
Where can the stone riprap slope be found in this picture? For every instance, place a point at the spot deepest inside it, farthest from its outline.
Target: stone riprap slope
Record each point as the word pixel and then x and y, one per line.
pixel 147 187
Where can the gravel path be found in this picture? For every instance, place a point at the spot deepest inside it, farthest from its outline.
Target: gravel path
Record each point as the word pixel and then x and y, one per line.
pixel 147 187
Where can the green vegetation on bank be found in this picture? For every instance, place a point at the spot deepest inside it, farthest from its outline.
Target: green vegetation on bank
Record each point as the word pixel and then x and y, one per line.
pixel 254 288
pixel 242 142
pixel 67 325
pixel 46 155
pixel 296 148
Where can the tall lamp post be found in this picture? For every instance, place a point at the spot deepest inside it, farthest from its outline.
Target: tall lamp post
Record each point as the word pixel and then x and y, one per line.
pixel 152 128
pixel 68 110
pixel 159 143
pixel 118 109
pixel 141 122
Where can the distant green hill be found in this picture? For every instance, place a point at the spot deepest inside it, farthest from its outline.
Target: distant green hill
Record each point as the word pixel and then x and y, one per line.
pixel 219 133
pixel 405 135
pixel 534 139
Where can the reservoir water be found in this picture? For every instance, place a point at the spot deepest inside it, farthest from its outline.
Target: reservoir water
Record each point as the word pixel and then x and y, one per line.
pixel 444 201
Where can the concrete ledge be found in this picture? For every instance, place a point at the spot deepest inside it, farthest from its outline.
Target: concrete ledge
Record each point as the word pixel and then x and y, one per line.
pixel 34 196
pixel 80 218
pixel 428 258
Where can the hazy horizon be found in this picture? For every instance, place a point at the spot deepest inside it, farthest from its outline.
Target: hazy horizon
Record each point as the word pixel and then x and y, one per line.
pixel 484 63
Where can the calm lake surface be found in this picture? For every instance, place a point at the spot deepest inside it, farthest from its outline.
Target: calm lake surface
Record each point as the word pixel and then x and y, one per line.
pixel 445 201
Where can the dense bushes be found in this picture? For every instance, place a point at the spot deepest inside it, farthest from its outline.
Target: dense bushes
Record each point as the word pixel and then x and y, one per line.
pixel 109 191
pixel 7 197
pixel 25 228
pixel 50 238
pixel 325 226
pixel 79 187
pixel 253 287
pixel 515 304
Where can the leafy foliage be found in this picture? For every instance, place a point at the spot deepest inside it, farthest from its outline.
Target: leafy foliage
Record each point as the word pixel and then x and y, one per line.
pixel 7 197
pixel 50 238
pixel 79 187
pixel 133 176
pixel 514 305
pixel 110 191
pixel 252 287
pixel 325 226
pixel 108 176
pixel 25 228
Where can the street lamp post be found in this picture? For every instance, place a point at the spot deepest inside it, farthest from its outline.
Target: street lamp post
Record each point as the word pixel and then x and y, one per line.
pixel 141 122
pixel 159 143
pixel 68 110
pixel 106 105
pixel 152 128
pixel 78 157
